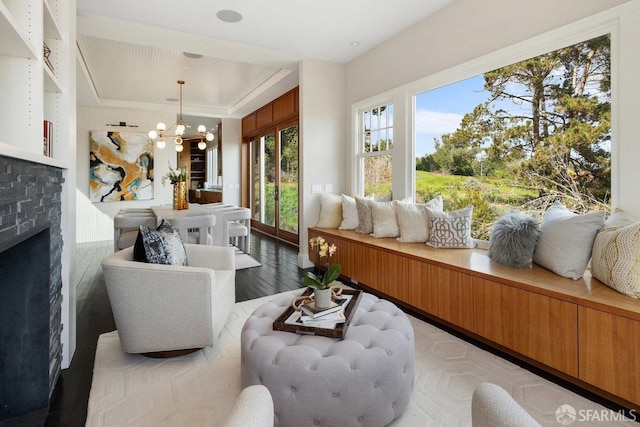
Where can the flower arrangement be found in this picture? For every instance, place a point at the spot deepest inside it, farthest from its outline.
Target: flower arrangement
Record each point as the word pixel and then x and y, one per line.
pixel 333 270
pixel 175 175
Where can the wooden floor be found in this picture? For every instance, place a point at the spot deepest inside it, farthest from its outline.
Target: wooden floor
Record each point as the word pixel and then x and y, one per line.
pixel 68 407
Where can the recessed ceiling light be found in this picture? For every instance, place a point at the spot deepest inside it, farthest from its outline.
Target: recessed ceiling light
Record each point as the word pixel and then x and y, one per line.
pixel 229 16
pixel 172 99
pixel 192 55
pixel 354 44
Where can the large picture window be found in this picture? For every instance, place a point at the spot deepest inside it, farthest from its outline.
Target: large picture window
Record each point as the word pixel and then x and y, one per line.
pixel 376 144
pixel 520 137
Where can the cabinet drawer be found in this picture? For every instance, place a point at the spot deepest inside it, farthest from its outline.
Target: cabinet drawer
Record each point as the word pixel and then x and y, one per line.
pixel 537 326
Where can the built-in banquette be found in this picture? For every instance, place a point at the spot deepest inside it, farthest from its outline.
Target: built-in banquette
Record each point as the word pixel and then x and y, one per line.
pixel 579 330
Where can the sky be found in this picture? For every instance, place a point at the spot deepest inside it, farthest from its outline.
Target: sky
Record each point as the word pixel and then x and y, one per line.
pixel 440 110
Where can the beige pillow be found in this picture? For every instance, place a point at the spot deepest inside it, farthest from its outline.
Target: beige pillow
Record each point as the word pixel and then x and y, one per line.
pixel 566 240
pixel 450 229
pixel 365 218
pixel 349 213
pixel 385 223
pixel 412 219
pixel 616 254
pixel 330 211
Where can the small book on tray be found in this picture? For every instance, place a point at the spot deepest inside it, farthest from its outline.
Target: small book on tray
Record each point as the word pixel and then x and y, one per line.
pixel 312 311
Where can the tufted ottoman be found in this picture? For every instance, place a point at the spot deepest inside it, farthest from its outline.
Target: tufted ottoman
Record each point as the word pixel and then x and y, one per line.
pixel 364 380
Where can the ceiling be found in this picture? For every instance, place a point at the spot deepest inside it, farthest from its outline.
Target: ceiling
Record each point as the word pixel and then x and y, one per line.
pixel 131 53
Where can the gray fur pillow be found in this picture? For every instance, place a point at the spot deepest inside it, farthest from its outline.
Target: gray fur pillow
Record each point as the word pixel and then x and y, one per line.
pixel 513 239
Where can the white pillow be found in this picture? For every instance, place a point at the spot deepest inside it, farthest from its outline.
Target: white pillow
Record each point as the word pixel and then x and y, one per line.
pixel 330 211
pixel 566 240
pixel 412 219
pixel 616 254
pixel 349 213
pixel 450 229
pixel 385 223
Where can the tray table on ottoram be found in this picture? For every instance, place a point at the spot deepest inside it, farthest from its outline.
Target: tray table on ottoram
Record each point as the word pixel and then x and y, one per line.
pixel 280 324
pixel 363 379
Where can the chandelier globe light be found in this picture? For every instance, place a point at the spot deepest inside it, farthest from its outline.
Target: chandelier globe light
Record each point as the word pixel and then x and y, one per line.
pixel 179 127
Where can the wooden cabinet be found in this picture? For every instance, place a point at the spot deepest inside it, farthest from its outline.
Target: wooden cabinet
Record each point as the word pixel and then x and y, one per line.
pixel 441 292
pixel 536 326
pixel 195 160
pixel 610 352
pixel 204 197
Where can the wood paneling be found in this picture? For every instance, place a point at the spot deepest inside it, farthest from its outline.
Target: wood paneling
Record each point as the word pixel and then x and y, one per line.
pixel 285 106
pixel 610 352
pixel 445 293
pixel 249 124
pixel 264 116
pixel 537 326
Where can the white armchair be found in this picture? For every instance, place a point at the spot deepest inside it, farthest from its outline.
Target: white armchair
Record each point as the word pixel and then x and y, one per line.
pixel 253 408
pixel 161 308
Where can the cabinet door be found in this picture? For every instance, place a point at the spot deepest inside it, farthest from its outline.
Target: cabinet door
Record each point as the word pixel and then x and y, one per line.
pixel 447 294
pixel 610 352
pixel 534 325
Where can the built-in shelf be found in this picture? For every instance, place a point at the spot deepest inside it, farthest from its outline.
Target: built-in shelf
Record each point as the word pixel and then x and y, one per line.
pixel 14 40
pixel 51 30
pixel 51 83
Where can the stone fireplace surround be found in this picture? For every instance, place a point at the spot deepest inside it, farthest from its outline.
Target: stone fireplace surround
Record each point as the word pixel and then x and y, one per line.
pixel 30 204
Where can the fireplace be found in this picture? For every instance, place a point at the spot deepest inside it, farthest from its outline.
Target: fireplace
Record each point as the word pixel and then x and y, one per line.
pixel 30 288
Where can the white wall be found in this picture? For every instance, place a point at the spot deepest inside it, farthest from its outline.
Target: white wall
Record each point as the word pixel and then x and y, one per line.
pixel 469 37
pixel 322 140
pixel 231 148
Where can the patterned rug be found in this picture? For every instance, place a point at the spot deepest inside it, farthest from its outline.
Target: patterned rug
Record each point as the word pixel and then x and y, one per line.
pixel 245 261
pixel 200 389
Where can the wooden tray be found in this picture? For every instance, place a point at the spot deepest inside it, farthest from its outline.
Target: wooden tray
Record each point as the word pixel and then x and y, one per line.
pixel 338 332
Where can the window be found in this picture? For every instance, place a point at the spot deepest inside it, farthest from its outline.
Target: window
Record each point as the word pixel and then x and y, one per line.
pixel 375 149
pixel 520 137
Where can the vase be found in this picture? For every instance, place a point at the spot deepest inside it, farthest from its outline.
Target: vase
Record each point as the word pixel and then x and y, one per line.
pixel 180 200
pixel 322 298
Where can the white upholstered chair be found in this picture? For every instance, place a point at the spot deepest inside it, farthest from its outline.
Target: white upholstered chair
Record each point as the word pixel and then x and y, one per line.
pixel 166 308
pixel 253 408
pixel 125 227
pixel 492 406
pixel 202 226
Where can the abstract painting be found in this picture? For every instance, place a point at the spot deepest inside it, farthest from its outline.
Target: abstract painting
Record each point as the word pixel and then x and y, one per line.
pixel 120 166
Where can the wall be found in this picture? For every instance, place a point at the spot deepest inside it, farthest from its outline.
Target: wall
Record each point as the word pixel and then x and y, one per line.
pixel 470 37
pixel 231 147
pixel 322 141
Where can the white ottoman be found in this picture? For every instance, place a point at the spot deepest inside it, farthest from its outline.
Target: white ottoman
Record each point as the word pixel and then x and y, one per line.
pixel 364 380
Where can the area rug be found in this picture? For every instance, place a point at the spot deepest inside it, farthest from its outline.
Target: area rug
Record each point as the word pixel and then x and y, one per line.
pixel 200 389
pixel 244 260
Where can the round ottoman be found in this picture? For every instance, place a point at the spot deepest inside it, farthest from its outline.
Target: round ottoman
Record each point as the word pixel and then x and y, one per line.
pixel 365 379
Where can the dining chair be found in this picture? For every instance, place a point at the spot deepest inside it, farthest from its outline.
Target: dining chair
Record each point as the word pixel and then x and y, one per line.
pixel 195 228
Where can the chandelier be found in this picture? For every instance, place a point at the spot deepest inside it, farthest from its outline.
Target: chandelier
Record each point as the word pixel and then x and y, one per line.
pixel 179 128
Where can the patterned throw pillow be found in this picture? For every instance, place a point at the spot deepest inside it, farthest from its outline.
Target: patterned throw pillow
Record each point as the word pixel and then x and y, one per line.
pixel 365 216
pixel 566 240
pixel 616 254
pixel 450 229
pixel 160 246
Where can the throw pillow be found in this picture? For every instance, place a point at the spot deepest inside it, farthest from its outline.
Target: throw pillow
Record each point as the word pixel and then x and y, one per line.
pixel 450 229
pixel 513 239
pixel 385 223
pixel 162 245
pixel 365 217
pixel 330 211
pixel 566 240
pixel 349 213
pixel 412 219
pixel 616 254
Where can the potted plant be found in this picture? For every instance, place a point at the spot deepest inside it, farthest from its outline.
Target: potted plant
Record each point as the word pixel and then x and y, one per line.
pixel 321 283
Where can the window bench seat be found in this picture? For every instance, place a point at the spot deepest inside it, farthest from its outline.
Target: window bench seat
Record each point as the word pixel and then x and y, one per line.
pixel 579 330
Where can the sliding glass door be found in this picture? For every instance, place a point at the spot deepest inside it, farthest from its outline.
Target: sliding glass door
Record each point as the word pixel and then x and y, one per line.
pixel 274 182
